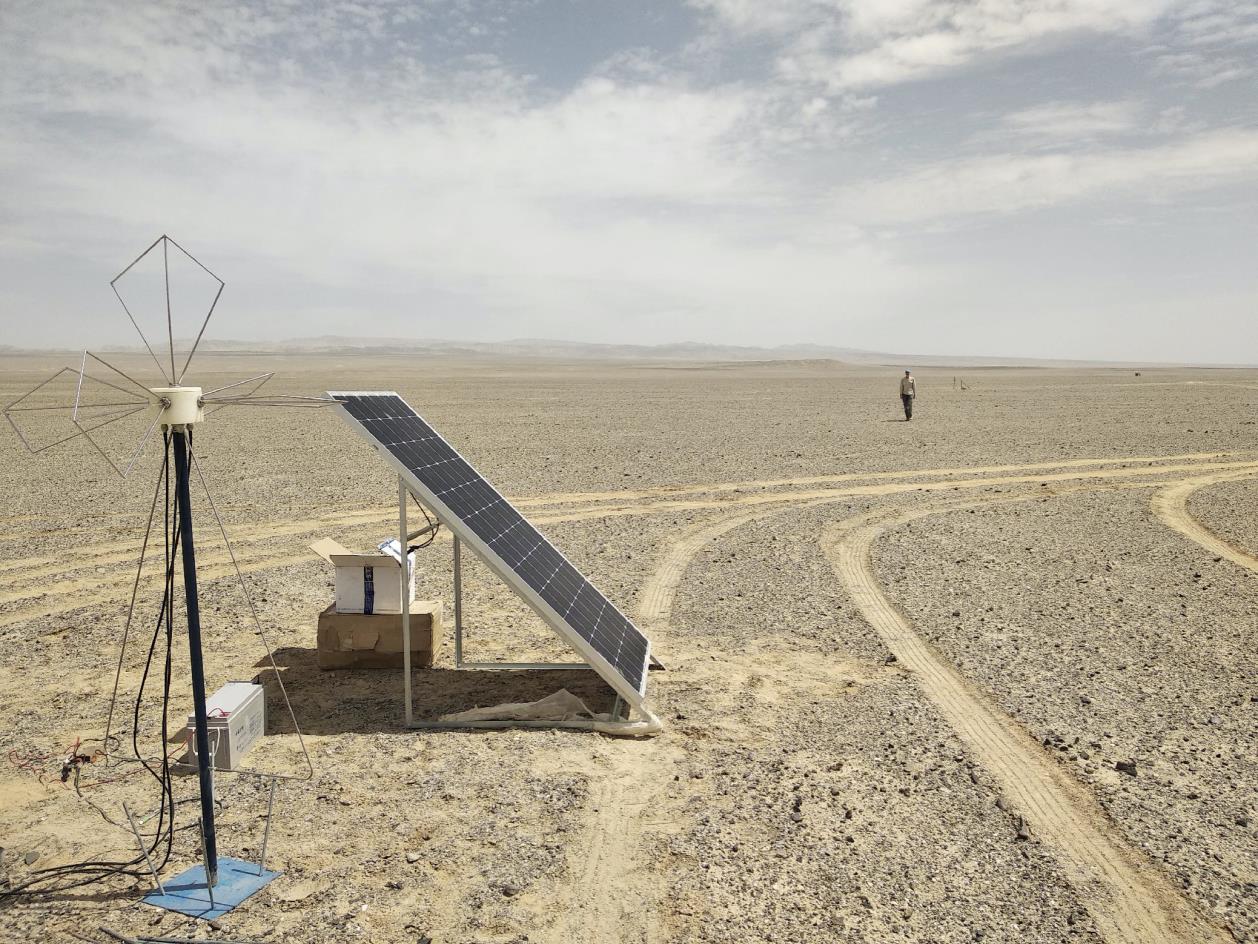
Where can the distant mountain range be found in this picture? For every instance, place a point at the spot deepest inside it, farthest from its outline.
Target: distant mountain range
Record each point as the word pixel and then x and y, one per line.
pixel 680 353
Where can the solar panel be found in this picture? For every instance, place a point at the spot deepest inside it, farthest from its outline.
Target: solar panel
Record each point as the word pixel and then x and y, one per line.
pixel 515 550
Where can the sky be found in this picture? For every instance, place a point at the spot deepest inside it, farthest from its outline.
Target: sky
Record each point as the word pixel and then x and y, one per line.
pixel 1031 178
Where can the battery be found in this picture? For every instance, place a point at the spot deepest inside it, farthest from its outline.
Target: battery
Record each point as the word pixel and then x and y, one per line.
pixel 236 718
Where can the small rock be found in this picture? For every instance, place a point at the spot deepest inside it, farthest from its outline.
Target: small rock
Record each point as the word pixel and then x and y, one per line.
pixel 510 891
pixel 1024 829
pixel 1241 821
pixel 31 856
pixel 1127 767
pixel 1002 804
pixel 891 658
pixel 412 857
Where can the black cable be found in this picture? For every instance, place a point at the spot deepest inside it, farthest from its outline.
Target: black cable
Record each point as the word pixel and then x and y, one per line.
pixel 102 869
pixel 434 527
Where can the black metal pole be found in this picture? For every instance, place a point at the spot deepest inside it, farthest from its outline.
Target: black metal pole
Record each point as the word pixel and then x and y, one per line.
pixel 205 775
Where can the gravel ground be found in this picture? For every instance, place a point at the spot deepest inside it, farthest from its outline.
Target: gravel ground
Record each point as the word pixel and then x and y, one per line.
pixel 804 790
pixel 860 815
pixel 1227 509
pixel 1071 611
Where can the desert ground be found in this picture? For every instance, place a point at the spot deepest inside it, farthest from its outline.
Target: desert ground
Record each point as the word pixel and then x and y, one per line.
pixel 986 676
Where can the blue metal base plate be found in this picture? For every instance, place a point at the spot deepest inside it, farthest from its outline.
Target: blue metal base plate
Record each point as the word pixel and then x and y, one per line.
pixel 188 895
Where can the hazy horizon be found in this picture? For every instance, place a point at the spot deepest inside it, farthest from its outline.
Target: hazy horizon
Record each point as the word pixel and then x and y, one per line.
pixel 1051 179
pixel 567 349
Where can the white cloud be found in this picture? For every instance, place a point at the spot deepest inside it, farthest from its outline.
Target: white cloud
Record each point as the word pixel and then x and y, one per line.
pixel 1209 43
pixel 1073 121
pixel 1009 183
pixel 647 198
pixel 855 44
pixel 332 160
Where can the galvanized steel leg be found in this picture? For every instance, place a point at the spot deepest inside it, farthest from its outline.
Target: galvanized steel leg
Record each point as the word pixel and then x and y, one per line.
pixel 406 596
pixel 266 835
pixel 458 605
pixel 144 852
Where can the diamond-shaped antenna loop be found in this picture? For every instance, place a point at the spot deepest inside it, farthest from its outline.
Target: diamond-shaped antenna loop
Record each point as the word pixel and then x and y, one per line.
pixel 152 400
pixel 252 385
pixel 69 404
pixel 164 280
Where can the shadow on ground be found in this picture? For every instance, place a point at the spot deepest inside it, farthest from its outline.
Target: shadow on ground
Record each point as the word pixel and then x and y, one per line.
pixel 369 700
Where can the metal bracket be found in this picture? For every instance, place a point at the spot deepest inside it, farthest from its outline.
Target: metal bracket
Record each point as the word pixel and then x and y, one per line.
pixel 404 538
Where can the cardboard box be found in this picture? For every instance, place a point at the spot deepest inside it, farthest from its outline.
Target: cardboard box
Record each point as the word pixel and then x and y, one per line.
pixel 358 641
pixel 368 583
pixel 236 719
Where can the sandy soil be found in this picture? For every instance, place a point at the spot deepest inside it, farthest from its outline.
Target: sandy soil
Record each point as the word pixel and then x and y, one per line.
pixel 904 661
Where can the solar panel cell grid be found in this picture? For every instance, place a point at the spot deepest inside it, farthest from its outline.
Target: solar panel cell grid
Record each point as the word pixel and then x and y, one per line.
pixel 448 480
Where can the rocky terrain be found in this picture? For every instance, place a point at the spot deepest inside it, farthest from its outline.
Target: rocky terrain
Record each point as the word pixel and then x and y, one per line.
pixel 817 780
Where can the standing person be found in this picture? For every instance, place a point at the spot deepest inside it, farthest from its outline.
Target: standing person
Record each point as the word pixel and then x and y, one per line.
pixel 908 392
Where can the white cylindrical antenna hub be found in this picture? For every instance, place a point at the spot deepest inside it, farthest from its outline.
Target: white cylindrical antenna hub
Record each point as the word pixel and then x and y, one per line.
pixel 182 405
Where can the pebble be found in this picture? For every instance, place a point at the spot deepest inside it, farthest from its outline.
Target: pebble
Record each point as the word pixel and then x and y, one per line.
pixel 412 857
pixel 1127 767
pixel 1024 829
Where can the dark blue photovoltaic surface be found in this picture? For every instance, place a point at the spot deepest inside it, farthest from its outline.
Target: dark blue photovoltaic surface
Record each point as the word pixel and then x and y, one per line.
pixel 395 426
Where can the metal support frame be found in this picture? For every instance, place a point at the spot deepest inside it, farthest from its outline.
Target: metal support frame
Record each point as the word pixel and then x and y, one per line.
pixel 143 850
pixel 458 632
pixel 404 563
pixel 266 836
pixel 403 540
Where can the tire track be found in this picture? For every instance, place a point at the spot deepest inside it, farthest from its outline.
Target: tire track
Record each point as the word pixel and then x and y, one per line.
pixel 606 902
pixel 613 902
pixel 104 588
pixel 78 586
pixel 673 490
pixel 1170 506
pixel 1130 899
pixel 125 549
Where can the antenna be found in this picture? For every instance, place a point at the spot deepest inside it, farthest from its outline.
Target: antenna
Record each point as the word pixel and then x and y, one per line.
pixel 104 394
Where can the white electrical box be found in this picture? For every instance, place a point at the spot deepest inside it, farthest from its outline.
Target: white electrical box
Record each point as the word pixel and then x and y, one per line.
pixel 368 583
pixel 236 719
